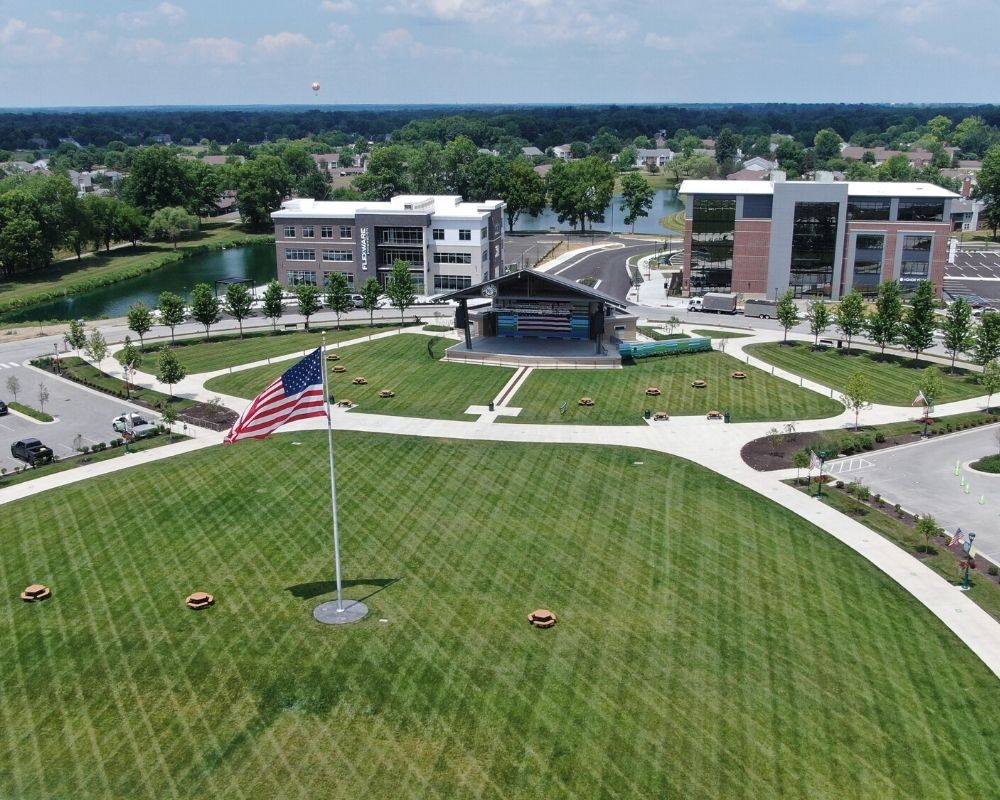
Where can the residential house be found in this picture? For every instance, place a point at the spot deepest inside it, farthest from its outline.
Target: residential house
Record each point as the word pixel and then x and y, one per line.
pixel 656 157
pixel 563 151
pixel 531 152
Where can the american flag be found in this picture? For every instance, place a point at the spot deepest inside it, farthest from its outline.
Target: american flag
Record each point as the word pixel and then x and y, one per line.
pixel 956 538
pixel 920 398
pixel 297 394
pixel 814 462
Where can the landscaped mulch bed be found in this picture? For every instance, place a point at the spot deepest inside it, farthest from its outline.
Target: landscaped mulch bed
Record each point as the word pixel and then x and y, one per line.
pixel 764 455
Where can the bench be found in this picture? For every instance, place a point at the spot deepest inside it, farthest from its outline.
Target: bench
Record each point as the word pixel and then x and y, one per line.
pixel 661 416
pixel 291 326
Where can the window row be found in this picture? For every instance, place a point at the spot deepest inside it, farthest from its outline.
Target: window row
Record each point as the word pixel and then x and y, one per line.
pixel 307 277
pixel 464 234
pixel 451 282
pixel 325 232
pixel 453 258
pixel 296 254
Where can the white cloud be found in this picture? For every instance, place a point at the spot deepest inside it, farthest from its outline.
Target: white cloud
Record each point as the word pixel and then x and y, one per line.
pixel 397 37
pixel 337 6
pixel 163 13
pixel 23 44
pixel 9 31
pixel 473 10
pixel 659 42
pixel 854 59
pixel 339 33
pixel 909 12
pixel 279 42
pixel 142 49
pixel 65 17
pixel 214 50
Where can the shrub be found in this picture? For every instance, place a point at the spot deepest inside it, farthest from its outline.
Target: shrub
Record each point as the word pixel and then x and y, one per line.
pixel 879 437
pixel 863 492
pixel 898 509
pixel 840 484
pixel 993 569
pixel 867 442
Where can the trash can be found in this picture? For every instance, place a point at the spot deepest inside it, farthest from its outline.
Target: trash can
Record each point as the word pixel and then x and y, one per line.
pixel 491 405
pixel 725 416
pixel 333 400
pixel 646 414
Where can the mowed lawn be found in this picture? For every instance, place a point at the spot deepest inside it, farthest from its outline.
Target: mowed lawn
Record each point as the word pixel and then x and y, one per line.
pixel 408 364
pixel 710 644
pixel 894 378
pixel 620 395
pixel 219 352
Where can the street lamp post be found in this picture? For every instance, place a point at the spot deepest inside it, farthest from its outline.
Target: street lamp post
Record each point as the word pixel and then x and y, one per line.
pixel 967 547
pixel 927 412
pixel 819 480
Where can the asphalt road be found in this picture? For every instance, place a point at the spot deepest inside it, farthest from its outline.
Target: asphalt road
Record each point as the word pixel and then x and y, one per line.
pixel 921 478
pixel 78 412
pixel 606 266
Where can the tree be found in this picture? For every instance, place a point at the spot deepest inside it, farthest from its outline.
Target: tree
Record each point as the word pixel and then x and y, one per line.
pixel 205 183
pixel 338 295
pixel 370 292
pixel 43 395
pixel 459 155
pixel 399 288
pixel 96 348
pixel 988 187
pixel 309 300
pixel 22 246
pixel 801 461
pixel 261 185
pixel 386 174
pixel 930 383
pixel 13 386
pixel 918 322
pixel 826 146
pixel 76 336
pixel 990 380
pixel 958 329
pixel 818 316
pixel 637 198
pixel 140 320
pixel 727 146
pixel 523 192
pixel 928 527
pixel 581 190
pixel 157 179
pixel 131 358
pixel 788 312
pixel 273 303
pixel 171 311
pixel 238 303
pixel 850 316
pixel 169 417
pixel 205 306
pixel 129 224
pixel 884 324
pixel 169 370
pixel 171 223
pixel 858 395
pixel 987 335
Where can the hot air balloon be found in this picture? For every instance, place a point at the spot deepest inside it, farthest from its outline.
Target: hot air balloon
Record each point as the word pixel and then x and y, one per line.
pixel 315 87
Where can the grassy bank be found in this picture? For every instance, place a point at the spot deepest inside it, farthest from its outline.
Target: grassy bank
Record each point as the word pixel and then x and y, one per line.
pixel 72 277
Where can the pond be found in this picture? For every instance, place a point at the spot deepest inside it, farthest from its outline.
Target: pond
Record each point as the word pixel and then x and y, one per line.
pixel 257 262
pixel 664 202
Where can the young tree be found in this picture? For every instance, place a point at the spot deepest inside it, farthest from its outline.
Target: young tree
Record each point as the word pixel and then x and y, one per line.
pixel 13 386
pixel 637 198
pixel 239 303
pixel 858 394
pixel 43 395
pixel 76 337
pixel 273 303
pixel 96 348
pixel 958 329
pixel 171 224
pixel 818 316
pixel 885 322
pixel 205 306
pixel 990 380
pixel 309 300
pixel 168 369
pixel 788 312
pixel 140 321
pixel 801 462
pixel 987 336
pixel 850 316
pixel 928 527
pixel 169 417
pixel 918 322
pixel 338 295
pixel 930 383
pixel 171 311
pixel 131 358
pixel 370 292
pixel 399 287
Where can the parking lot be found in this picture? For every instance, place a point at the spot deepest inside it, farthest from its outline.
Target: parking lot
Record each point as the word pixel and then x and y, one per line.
pixel 975 275
pixel 79 412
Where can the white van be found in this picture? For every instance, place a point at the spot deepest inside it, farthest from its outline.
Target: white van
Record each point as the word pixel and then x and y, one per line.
pixel 695 304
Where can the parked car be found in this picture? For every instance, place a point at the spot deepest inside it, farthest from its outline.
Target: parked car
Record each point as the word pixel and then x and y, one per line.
pixel 140 425
pixel 31 451
pixel 3 408
pixel 358 300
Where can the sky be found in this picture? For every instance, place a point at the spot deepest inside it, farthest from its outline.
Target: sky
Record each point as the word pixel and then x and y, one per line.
pixel 180 52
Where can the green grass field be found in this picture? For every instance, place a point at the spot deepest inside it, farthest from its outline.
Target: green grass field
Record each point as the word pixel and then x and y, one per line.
pixel 620 394
pixel 894 379
pixel 407 364
pixel 752 659
pixel 720 334
pixel 197 355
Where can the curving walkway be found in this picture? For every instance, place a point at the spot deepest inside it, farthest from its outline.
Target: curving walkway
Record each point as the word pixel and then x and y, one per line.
pixel 714 445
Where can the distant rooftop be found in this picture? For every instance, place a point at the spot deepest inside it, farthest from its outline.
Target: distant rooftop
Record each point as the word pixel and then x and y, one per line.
pixel 450 206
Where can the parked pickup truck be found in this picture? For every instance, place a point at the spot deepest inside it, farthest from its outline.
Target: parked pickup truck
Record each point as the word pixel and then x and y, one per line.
pixel 140 425
pixel 31 451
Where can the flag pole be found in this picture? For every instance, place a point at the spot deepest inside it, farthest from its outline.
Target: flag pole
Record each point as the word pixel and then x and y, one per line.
pixel 333 481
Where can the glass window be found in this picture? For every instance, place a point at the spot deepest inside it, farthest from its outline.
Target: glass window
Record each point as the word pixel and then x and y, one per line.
pixel 451 282
pixel 289 231
pixel 465 235
pixel 299 277
pixel 757 206
pixel 307 232
pixel 870 242
pixel 920 210
pixel 404 236
pixel 814 249
pixel 713 226
pixel 868 250
pixel 346 232
pixel 348 275
pixel 299 254
pixel 326 232
pixel 453 258
pixel 388 255
pixel 484 234
pixel 918 243
pixel 439 234
pixel 338 255
pixel 868 208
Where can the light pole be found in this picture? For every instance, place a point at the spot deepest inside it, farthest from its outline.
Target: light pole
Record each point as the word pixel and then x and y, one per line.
pixel 967 547
pixel 819 480
pixel 927 412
